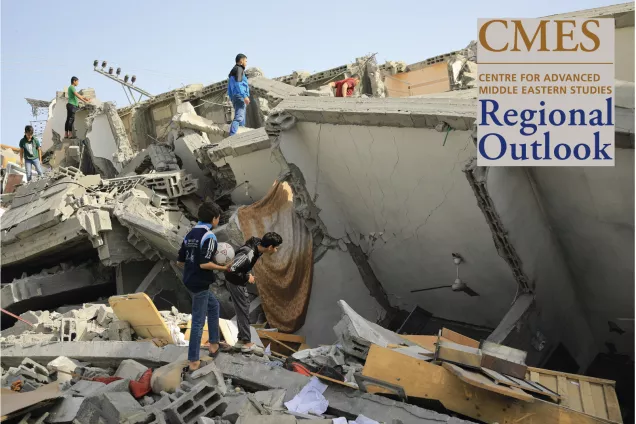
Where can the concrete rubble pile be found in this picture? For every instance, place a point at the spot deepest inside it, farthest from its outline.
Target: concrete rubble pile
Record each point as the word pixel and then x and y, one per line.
pixel 113 379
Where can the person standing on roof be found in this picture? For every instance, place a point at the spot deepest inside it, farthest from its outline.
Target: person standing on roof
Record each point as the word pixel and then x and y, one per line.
pixel 72 106
pixel 238 91
pixel 345 86
pixel 30 153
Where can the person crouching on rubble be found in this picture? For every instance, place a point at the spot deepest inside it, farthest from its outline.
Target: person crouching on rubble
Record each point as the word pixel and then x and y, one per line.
pixel 30 153
pixel 238 90
pixel 239 275
pixel 195 257
pixel 345 87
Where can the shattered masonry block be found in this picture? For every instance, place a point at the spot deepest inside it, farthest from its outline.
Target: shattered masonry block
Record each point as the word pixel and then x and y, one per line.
pixel 87 388
pixel 115 386
pixel 32 375
pixel 93 330
pixel 65 411
pixel 40 369
pixel 119 331
pixel 239 406
pixel 104 315
pixel 130 369
pixel 202 400
pixel 110 408
pixel 153 416
pixel 62 363
pixel 71 329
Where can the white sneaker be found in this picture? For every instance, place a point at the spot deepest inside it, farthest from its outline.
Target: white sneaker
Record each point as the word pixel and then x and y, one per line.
pixel 252 349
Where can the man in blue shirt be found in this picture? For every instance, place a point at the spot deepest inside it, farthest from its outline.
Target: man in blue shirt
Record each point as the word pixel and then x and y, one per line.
pixel 195 257
pixel 238 90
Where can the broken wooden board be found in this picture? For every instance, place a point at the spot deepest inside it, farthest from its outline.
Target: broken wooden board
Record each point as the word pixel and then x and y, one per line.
pixel 229 330
pixel 283 343
pixel 455 337
pixel 506 353
pixel 528 386
pixel 426 380
pixel 142 315
pixel 478 380
pixel 594 396
pixel 503 366
pixel 458 354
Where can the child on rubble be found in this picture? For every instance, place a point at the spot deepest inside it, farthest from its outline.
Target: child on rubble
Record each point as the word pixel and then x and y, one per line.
pixel 239 275
pixel 195 258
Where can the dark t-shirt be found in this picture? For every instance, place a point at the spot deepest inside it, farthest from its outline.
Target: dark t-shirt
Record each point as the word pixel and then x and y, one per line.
pixel 30 148
pixel 198 247
pixel 351 84
pixel 244 261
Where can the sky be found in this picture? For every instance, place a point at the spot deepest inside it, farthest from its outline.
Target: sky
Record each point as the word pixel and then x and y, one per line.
pixel 169 44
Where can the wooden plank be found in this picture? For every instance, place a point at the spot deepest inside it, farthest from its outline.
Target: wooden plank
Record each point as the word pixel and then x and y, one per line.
pixel 230 332
pixel 426 380
pixel 458 354
pixel 613 409
pixel 283 337
pixel 504 352
pixel 562 390
pixel 534 376
pixel 333 380
pixel 427 342
pixel 571 376
pixel 503 366
pixel 265 336
pixel 156 269
pixel 586 396
pixel 518 383
pixel 574 392
pixel 139 310
pixel 455 337
pixel 598 399
pixel 482 382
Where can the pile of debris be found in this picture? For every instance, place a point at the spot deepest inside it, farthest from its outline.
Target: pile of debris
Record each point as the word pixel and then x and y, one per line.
pixel 130 383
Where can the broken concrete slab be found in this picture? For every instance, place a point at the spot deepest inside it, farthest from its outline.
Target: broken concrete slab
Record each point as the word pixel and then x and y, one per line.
pixel 130 369
pixel 97 353
pixel 65 410
pixel 34 291
pixel 112 408
pixel 342 401
pixel 87 388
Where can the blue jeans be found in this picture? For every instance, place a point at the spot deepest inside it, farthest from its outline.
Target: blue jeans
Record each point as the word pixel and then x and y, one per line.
pixel 203 303
pixel 29 163
pixel 239 115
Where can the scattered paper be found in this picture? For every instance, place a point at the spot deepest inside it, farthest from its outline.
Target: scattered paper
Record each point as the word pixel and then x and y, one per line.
pixel 340 420
pixel 310 399
pixel 268 350
pixel 177 336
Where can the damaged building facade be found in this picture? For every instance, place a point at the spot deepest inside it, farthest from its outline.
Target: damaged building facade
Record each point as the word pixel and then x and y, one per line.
pixel 378 198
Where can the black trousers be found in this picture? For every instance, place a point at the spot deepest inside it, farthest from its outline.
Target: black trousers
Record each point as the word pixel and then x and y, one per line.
pixel 242 308
pixel 70 117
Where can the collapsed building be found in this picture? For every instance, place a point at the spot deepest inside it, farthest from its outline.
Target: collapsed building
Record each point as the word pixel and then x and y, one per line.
pixel 378 198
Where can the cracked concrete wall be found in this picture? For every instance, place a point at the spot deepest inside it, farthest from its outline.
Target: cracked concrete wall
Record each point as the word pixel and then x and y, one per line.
pixel 335 278
pixel 560 316
pixel 591 212
pixel 400 194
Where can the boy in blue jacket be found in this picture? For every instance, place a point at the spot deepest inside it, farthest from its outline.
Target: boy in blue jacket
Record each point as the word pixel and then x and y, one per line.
pixel 195 258
pixel 238 91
